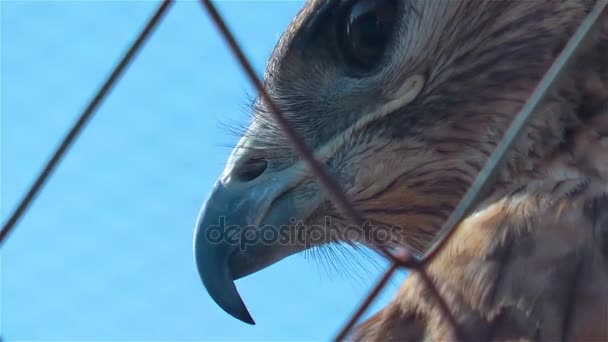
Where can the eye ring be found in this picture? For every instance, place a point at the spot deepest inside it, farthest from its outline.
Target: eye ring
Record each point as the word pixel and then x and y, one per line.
pixel 365 29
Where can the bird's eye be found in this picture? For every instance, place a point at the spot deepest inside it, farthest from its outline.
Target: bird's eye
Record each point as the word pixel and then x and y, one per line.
pixel 366 29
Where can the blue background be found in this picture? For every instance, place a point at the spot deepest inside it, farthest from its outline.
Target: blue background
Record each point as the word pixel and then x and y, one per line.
pixel 105 252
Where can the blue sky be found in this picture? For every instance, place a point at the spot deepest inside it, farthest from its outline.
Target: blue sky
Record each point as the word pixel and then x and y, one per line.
pixel 105 252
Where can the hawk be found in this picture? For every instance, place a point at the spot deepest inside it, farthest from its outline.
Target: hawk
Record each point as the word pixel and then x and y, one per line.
pixel 403 101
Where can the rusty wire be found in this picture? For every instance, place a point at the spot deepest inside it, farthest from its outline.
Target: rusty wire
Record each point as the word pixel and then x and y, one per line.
pixel 403 258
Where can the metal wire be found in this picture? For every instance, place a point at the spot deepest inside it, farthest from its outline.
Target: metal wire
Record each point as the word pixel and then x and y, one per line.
pixel 83 119
pixel 403 258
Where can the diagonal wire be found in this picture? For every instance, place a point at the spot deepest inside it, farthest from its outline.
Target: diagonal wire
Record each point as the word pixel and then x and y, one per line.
pixel 83 119
pixel 367 301
pixel 485 176
pixel 405 261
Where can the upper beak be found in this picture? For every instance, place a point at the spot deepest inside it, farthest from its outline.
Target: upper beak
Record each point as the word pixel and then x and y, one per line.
pixel 240 230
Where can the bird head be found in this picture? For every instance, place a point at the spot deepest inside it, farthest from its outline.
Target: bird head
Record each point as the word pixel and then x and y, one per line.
pixel 402 102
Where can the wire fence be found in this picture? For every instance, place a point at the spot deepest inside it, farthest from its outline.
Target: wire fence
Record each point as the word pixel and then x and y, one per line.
pixel 400 257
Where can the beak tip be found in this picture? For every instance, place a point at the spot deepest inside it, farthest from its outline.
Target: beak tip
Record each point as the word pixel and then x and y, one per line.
pixel 247 318
pixel 236 310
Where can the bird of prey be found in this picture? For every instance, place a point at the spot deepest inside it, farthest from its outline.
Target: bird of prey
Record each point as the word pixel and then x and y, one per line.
pixel 403 101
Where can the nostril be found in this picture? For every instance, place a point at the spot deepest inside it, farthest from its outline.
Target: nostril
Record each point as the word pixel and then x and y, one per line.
pixel 252 169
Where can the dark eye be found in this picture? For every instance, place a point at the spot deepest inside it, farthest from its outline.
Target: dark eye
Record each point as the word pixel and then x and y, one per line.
pixel 366 30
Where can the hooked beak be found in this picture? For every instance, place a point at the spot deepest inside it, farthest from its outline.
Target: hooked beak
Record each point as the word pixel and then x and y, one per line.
pixel 242 228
